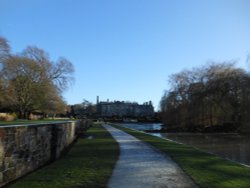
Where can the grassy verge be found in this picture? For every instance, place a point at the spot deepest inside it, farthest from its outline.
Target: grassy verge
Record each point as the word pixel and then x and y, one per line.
pixel 89 163
pixel 23 122
pixel 205 169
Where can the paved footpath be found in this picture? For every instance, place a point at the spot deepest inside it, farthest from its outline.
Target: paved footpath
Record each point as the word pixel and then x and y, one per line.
pixel 141 166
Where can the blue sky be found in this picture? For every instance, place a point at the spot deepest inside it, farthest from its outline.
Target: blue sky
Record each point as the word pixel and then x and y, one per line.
pixel 126 49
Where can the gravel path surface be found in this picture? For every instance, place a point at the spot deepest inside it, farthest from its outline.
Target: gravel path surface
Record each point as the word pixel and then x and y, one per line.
pixel 141 166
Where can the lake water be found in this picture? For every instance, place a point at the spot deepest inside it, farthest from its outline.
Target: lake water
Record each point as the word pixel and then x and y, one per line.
pixel 235 147
pixel 143 126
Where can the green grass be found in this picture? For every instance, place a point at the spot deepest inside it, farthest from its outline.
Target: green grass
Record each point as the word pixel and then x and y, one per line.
pixel 205 169
pixel 23 122
pixel 89 164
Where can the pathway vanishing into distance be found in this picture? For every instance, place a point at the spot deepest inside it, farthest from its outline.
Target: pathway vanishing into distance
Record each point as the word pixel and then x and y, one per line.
pixel 141 166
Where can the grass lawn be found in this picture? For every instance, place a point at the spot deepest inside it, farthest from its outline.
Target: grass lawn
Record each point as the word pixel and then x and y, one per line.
pixel 23 122
pixel 89 164
pixel 205 169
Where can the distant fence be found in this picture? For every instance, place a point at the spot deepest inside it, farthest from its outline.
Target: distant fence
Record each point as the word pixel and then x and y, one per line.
pixel 24 148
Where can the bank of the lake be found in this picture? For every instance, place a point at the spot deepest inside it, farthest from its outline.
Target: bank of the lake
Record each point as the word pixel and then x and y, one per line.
pixel 231 146
pixel 205 169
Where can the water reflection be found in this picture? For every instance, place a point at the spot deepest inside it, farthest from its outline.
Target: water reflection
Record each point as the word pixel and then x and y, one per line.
pixel 143 126
pixel 235 147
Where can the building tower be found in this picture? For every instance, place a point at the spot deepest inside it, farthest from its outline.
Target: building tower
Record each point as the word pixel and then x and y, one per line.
pixel 97 100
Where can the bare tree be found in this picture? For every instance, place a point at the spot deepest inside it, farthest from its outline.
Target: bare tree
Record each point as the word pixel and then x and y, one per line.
pixel 32 82
pixel 4 49
pixel 4 53
pixel 59 72
pixel 213 95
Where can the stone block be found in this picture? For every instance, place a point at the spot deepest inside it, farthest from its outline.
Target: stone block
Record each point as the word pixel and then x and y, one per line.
pixel 2 133
pixel 1 177
pixel 2 166
pixel 9 174
pixel 6 162
pixel 9 151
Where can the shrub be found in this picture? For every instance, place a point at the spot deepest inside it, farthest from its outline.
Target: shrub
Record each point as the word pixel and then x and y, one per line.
pixel 6 117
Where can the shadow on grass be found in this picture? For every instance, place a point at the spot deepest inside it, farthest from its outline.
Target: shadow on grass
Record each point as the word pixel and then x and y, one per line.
pixel 89 163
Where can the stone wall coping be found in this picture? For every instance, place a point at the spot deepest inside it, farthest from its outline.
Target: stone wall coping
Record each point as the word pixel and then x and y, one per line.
pixel 37 124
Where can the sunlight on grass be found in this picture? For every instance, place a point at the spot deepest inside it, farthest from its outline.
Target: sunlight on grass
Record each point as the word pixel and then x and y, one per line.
pixel 205 169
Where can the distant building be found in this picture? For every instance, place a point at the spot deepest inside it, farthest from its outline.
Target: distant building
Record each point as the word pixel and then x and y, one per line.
pixel 124 109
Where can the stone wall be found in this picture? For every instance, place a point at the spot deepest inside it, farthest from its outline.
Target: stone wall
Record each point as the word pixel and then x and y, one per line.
pixel 23 148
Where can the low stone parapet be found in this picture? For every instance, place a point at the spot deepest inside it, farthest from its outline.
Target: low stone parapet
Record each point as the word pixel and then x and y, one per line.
pixel 24 148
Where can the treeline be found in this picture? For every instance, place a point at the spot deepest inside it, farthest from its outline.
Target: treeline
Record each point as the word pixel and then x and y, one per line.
pixel 31 83
pixel 82 110
pixel 211 98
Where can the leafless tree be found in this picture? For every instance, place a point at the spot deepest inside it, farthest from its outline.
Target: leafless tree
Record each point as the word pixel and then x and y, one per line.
pixel 213 95
pixel 31 82
pixel 4 49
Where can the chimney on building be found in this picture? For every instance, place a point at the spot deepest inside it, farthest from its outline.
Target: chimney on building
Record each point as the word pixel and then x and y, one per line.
pixel 97 100
pixel 150 103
